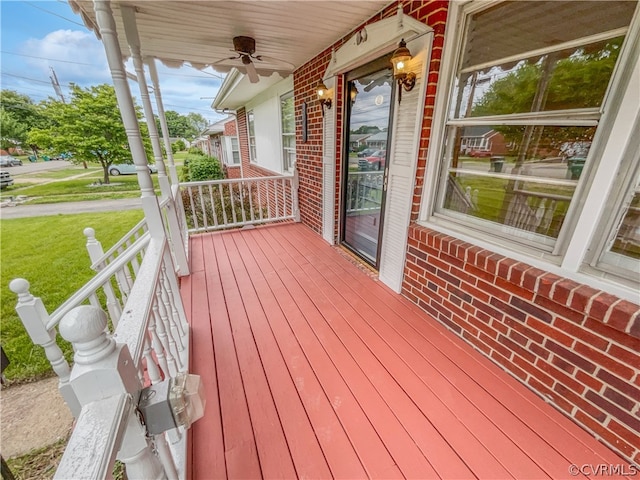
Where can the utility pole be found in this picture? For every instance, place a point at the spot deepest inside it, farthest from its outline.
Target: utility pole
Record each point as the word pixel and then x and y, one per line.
pixel 56 84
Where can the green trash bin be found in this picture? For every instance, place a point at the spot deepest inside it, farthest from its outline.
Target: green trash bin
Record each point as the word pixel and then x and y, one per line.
pixel 574 167
pixel 497 163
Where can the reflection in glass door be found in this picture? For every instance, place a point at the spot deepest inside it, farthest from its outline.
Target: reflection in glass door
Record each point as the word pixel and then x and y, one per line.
pixel 367 135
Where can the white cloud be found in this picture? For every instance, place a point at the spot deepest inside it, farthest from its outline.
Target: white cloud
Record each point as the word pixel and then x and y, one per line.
pixel 79 57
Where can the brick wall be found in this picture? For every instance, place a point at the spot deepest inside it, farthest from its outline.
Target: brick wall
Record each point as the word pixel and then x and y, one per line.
pixel 230 129
pixel 576 346
pixel 305 79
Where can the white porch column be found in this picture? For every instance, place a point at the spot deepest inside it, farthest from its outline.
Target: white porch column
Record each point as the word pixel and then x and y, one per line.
pixel 107 26
pixel 153 73
pixel 133 39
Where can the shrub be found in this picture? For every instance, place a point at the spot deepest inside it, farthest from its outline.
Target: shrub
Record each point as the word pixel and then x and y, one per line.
pixel 178 146
pixel 199 167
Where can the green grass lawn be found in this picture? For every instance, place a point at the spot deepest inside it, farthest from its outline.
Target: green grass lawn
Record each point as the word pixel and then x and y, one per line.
pixel 66 172
pixel 50 253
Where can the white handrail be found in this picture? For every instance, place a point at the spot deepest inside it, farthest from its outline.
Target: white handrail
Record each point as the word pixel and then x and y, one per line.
pixel 96 438
pixel 98 281
pixel 125 242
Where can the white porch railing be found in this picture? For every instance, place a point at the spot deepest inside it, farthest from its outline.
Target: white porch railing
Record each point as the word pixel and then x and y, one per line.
pixel 536 211
pixel 220 204
pixel 364 191
pixel 129 329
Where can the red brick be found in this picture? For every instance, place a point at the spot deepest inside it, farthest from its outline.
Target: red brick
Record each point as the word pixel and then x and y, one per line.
pixel 600 305
pixel 530 278
pixel 581 297
pixel 513 289
pixel 624 432
pixel 546 283
pixel 614 410
pixel 491 290
pixel 625 387
pixel 560 310
pixel 581 333
pixel 604 361
pixel 517 272
pixel 550 332
pixel 504 266
pixel 562 289
pixel 606 331
pixel 581 403
pixel 539 351
pixel 605 433
pixel 589 380
pixel 628 357
pixel 572 357
pixel 499 326
pixel 620 315
pixel 508 309
pixel 517 349
pixel 563 365
pixel 619 399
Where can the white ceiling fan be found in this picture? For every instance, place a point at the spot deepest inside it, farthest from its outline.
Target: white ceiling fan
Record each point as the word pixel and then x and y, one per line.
pixel 247 62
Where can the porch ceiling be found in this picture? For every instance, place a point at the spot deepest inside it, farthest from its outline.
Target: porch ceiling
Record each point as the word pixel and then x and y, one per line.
pixel 201 33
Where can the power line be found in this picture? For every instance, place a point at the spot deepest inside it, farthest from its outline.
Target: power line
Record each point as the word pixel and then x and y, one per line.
pixel 55 14
pixel 44 58
pixel 24 78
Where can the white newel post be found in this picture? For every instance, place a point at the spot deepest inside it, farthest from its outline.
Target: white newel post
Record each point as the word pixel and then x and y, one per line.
pixel 103 369
pixel 34 317
pixel 107 27
pixel 96 252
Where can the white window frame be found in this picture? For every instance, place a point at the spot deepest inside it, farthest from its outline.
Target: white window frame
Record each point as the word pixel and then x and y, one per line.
pixel 286 165
pixel 236 150
pixel 578 251
pixel 253 157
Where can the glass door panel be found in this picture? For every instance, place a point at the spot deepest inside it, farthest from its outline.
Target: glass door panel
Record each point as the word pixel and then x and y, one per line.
pixel 367 135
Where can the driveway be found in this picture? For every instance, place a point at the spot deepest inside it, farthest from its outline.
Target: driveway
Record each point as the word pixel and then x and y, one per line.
pixel 21 211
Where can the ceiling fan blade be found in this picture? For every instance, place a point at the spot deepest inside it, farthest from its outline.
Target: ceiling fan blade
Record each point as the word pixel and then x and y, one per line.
pixel 251 72
pixel 226 59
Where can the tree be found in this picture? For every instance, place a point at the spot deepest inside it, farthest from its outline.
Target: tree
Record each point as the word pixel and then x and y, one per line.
pixel 197 123
pixel 12 132
pixel 363 129
pixel 89 126
pixel 183 126
pixel 578 80
pixel 18 115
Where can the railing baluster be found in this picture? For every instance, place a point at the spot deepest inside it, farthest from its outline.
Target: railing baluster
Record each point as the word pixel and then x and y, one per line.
pixel 164 337
pixel 214 210
pixel 223 203
pixel 250 188
pixel 156 344
pixel 205 221
pixel 172 318
pixel 192 203
pixel 260 207
pixel 152 368
pixel 232 200
pixel 241 189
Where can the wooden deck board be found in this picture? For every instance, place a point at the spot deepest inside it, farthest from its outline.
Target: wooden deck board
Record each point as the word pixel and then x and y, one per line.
pixel 313 369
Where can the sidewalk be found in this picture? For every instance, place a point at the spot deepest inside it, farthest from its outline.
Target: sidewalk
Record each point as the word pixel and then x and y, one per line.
pixel 33 416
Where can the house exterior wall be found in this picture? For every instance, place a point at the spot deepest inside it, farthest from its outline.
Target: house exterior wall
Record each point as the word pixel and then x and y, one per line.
pixel 574 345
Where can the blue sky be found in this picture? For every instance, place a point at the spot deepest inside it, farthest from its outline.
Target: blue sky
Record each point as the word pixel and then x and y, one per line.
pixel 40 35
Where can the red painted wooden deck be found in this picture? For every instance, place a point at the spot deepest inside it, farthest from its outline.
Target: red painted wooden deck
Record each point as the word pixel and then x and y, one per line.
pixel 313 369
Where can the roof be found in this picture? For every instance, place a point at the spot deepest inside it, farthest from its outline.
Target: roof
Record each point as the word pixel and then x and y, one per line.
pixel 217 127
pixel 357 137
pixel 202 33
pixel 378 137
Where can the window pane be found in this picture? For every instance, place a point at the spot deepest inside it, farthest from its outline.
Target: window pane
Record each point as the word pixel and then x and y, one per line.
pixel 288 121
pixel 512 28
pixel 563 80
pixel 523 177
pixel 627 240
pixel 250 124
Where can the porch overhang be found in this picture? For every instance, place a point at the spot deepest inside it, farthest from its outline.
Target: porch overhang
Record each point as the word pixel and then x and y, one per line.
pixel 201 33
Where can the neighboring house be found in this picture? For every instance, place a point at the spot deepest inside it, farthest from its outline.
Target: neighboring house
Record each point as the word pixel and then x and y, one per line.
pixel 220 140
pixel 538 271
pixel 378 140
pixel 357 141
pixel 482 138
pixel 265 121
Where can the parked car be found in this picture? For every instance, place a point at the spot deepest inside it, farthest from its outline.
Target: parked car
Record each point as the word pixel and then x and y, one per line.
pixel 375 161
pixel 9 161
pixel 5 179
pixel 127 169
pixel 366 152
pixel 480 153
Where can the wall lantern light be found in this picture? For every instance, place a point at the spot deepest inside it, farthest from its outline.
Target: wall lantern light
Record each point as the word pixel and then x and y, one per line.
pixel 400 60
pixel 353 93
pixel 324 96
